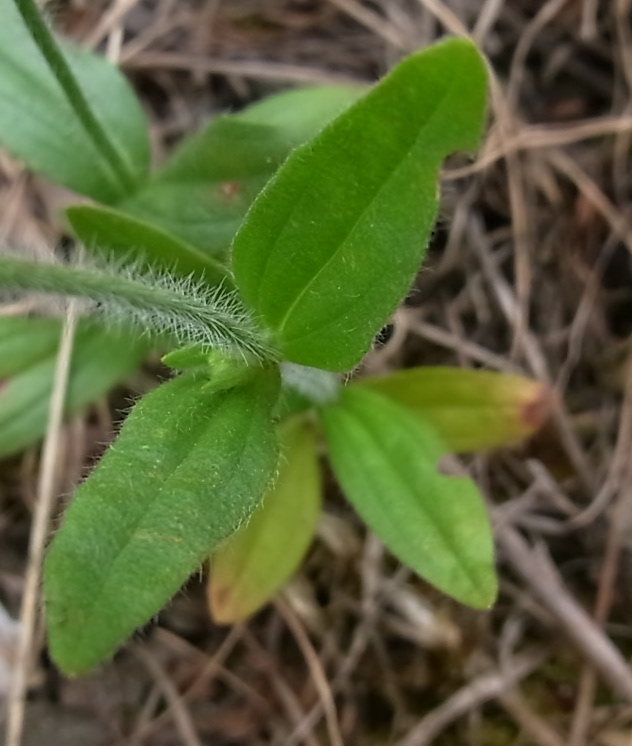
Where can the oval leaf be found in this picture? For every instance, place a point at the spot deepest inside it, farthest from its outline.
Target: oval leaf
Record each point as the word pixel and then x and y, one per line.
pixel 386 461
pixel 187 469
pixel 331 245
pixel 470 409
pixel 254 564
pixel 38 125
pixel 28 353
pixel 204 190
pixel 112 232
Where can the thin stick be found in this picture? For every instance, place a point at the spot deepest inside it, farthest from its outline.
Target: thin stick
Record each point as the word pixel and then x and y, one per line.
pixel 539 572
pixel 530 722
pixel 39 531
pixel 620 474
pixel 618 222
pixel 480 690
pixel 372 21
pixel 258 70
pixel 181 715
pixel 316 671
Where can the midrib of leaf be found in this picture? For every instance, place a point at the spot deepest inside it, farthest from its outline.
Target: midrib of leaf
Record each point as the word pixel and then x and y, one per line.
pixel 349 233
pixel 120 555
pixel 453 547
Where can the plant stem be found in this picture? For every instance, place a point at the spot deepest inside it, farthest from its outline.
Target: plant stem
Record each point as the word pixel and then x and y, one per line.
pixel 45 42
pixel 161 304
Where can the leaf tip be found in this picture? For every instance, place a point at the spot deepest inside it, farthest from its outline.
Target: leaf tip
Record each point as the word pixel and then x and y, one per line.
pixel 224 605
pixel 536 407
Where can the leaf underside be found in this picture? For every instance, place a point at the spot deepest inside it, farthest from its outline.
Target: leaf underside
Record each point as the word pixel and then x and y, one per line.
pixel 254 564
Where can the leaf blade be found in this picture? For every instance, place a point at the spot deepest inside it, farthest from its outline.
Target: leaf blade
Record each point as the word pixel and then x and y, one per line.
pixel 254 564
pixel 332 243
pixel 117 560
pixel 99 361
pixel 113 232
pixel 206 187
pixel 470 409
pixel 38 125
pixel 386 461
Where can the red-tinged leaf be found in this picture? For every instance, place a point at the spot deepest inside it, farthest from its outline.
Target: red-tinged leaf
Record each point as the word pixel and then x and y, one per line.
pixel 470 409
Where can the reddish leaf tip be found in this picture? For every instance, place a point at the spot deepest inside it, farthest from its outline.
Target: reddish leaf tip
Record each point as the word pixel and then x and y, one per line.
pixel 537 407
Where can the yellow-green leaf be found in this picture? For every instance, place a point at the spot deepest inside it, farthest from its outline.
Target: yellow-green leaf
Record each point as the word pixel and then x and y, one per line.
pixel 470 409
pixel 254 564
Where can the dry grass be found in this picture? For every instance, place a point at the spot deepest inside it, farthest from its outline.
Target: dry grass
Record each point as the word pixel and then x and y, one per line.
pixel 529 271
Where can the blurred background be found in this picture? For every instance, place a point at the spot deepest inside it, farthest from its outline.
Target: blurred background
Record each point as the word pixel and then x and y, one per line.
pixel 528 271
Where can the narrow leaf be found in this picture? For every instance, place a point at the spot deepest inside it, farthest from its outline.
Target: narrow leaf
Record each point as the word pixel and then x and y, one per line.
pixel 470 409
pixel 386 460
pixel 99 361
pixel 333 242
pixel 187 469
pixel 254 564
pixel 38 125
pixel 204 190
pixel 106 231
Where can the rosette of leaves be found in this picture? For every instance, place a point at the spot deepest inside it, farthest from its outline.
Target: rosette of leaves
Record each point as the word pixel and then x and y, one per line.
pixel 270 251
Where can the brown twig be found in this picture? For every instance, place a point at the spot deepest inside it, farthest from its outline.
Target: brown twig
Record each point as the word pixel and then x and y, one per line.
pixel 482 689
pixel 39 531
pixel 538 571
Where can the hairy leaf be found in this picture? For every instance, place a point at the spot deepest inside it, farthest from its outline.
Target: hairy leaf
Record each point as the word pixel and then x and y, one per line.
pixel 187 469
pixel 386 460
pixel 204 190
pixel 38 125
pixel 469 409
pixel 28 352
pixel 112 232
pixel 333 242
pixel 254 564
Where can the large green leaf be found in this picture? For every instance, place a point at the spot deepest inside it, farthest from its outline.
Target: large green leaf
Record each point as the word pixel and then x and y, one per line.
pixel 254 564
pixel 204 190
pixel 469 409
pixel 386 460
pixel 110 232
pixel 187 469
pixel 331 245
pixel 38 125
pixel 28 351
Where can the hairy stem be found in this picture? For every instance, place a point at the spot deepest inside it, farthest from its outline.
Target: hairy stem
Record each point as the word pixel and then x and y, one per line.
pixel 45 42
pixel 158 303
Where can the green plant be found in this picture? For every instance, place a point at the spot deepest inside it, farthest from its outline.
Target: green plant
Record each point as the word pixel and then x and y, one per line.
pixel 325 239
